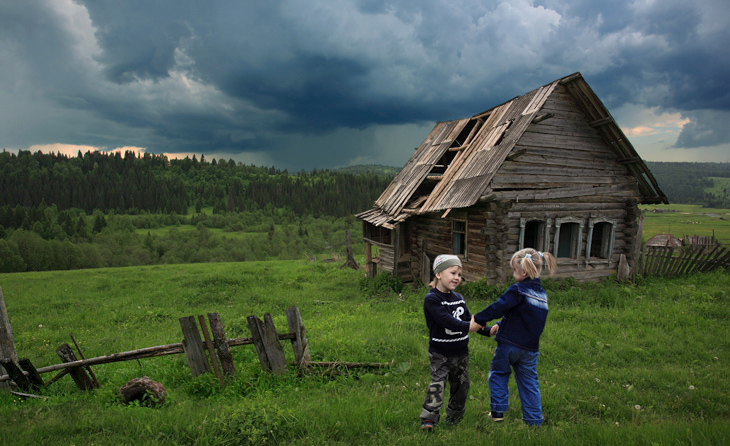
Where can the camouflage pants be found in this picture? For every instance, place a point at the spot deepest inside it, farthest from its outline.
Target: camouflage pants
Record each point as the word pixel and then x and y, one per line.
pixel 455 370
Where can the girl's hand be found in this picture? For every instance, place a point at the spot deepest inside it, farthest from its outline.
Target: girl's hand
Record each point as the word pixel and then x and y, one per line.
pixel 493 331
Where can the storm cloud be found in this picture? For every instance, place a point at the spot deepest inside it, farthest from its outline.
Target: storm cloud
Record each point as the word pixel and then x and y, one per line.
pixel 331 83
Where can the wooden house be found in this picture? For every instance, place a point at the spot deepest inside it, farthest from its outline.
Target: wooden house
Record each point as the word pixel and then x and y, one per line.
pixel 550 170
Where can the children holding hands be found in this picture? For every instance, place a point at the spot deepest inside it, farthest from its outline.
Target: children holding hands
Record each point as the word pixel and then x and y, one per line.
pixel 523 309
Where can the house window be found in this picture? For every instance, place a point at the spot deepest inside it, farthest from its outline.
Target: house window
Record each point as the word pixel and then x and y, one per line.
pixel 459 237
pixel 568 237
pixel 600 238
pixel 533 234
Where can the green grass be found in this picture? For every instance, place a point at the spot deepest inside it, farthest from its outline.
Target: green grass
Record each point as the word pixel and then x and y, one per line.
pixel 721 186
pixel 619 364
pixel 686 219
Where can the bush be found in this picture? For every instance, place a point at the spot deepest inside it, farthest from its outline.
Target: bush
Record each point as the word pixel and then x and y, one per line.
pixel 480 290
pixel 381 285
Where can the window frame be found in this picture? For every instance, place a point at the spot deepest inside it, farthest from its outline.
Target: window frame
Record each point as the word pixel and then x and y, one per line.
pixel 608 244
pixel 575 247
pixel 545 228
pixel 464 237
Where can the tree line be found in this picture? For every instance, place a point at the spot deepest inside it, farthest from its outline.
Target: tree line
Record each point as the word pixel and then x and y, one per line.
pixel 131 183
pixel 686 183
pixel 106 210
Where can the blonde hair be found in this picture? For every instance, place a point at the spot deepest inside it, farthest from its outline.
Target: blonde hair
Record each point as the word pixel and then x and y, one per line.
pixel 532 261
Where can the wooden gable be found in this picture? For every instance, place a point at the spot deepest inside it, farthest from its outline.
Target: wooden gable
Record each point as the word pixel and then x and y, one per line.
pixel 515 151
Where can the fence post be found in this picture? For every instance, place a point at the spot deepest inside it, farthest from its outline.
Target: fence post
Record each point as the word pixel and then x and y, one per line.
pixel 7 345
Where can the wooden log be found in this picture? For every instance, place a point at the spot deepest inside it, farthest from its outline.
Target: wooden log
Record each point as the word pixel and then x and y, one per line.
pixel 35 378
pixel 299 343
pixel 211 351
pixel 193 346
pixel 16 374
pixel 80 377
pixel 221 345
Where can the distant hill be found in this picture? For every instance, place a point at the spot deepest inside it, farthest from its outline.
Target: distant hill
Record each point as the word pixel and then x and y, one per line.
pixel 378 169
pixel 693 183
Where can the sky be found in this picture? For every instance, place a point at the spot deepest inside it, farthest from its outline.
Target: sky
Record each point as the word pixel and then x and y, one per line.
pixel 332 83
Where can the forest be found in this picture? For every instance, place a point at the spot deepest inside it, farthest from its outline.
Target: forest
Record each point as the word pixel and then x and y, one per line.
pixel 110 209
pixel 105 210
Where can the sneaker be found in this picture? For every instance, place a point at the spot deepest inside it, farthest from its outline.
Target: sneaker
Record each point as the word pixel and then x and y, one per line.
pixel 427 425
pixel 496 416
pixel 452 421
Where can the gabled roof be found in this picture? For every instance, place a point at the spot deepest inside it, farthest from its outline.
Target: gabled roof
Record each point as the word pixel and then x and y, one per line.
pixel 476 147
pixel 664 240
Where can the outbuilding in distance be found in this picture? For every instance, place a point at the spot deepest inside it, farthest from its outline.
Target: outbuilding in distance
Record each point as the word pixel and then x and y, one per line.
pixel 550 170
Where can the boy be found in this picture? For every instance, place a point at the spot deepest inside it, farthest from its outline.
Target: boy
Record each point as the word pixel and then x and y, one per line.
pixel 449 323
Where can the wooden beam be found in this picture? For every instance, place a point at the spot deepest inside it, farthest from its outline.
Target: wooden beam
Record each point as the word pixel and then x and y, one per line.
pixel 542 117
pixel 602 121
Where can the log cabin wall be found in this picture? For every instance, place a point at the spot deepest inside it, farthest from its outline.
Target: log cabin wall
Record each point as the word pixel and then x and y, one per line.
pixel 562 169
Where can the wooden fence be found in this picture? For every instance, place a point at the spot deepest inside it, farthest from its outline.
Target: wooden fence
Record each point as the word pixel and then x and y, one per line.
pixel 668 261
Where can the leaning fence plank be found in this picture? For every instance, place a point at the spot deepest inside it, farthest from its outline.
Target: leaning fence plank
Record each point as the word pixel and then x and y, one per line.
pixel 211 350
pixel 87 367
pixel 256 326
pixel 193 346
pixel 708 262
pixel 273 347
pixel 221 345
pixel 16 374
pixel 78 374
pixel 299 343
pixel 664 260
pixel 692 264
pixel 35 378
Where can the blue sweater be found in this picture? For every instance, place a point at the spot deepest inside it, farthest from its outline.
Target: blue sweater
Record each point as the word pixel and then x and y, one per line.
pixel 447 318
pixel 523 309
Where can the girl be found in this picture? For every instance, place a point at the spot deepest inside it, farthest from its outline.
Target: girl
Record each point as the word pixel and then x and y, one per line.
pixel 523 309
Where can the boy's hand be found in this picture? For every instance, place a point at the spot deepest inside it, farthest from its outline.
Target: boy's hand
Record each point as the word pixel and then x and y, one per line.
pixel 473 326
pixel 493 331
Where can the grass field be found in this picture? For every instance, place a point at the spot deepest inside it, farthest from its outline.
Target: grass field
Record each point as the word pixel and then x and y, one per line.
pixel 619 364
pixel 686 219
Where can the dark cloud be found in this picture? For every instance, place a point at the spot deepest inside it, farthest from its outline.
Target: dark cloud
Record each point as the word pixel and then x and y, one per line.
pixel 225 76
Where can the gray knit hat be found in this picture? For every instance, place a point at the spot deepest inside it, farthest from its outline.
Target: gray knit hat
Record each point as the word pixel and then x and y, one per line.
pixel 445 261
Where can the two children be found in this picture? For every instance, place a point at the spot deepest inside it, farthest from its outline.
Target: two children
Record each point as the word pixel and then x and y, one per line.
pixel 523 309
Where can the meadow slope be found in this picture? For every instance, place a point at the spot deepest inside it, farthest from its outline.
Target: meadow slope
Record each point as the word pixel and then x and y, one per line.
pixel 619 363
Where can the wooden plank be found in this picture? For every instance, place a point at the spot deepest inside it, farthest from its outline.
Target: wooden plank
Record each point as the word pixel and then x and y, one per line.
pixel 16 374
pixel 36 382
pixel 256 326
pixel 275 352
pixel 88 367
pixel 299 343
pixel 193 346
pixel 221 344
pixel 79 375
pixel 211 350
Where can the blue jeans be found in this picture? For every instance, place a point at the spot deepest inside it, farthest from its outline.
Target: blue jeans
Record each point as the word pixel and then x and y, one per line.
pixel 524 363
